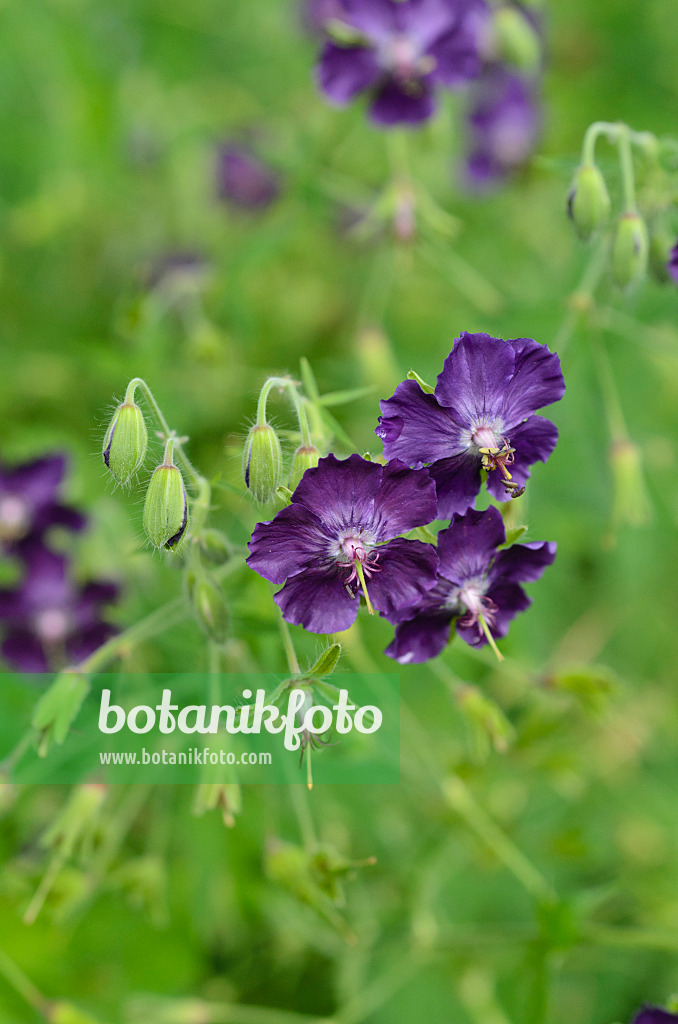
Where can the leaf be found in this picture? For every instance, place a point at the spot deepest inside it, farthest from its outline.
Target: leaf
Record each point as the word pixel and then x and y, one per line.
pixel 344 397
pixel 513 534
pixel 413 375
pixel 309 380
pixel 58 707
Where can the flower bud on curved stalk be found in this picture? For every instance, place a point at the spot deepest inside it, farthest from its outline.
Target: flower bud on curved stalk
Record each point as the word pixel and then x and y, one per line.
pixel 629 250
pixel 166 505
pixel 304 458
pixel 262 463
pixel 210 609
pixel 517 41
pixel 588 203
pixel 125 442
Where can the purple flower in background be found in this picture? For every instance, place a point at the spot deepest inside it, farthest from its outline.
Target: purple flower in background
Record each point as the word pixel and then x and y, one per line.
pixel 30 499
pixel 401 51
pixel 476 584
pixel 479 417
pixel 243 180
pixel 503 126
pixel 653 1015
pixel 329 543
pixel 317 13
pixel 50 622
pixel 672 265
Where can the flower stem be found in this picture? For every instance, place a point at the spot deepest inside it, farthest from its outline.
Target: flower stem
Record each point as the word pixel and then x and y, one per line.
pixel 138 382
pixel 626 162
pixel 21 984
pixel 288 644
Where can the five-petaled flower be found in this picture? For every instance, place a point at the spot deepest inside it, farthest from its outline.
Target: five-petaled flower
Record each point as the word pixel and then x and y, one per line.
pixel 478 585
pixel 50 621
pixel 339 538
pixel 479 417
pixel 30 500
pixel 400 51
pixel 503 125
pixel 653 1015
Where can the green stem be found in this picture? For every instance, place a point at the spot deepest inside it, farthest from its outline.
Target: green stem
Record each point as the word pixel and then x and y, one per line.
pixel 611 401
pixel 290 653
pixel 21 984
pixel 488 635
pixel 626 161
pixel 139 382
pixel 582 297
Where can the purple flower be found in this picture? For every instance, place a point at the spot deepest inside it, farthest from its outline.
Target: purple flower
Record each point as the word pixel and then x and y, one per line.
pixel 29 500
pixel 503 125
pixel 329 543
pixel 480 417
pixel 672 265
pixel 317 13
pixel 401 51
pixel 50 622
pixel 476 583
pixel 653 1015
pixel 243 180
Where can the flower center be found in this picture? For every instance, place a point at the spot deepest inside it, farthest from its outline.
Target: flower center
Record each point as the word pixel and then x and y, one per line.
pixel 14 517
pixel 472 596
pixel 401 57
pixel 496 455
pixel 51 625
pixel 360 559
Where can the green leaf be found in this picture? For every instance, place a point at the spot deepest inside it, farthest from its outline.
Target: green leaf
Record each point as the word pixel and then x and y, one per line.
pixel 309 380
pixel 513 534
pixel 413 375
pixel 344 397
pixel 58 707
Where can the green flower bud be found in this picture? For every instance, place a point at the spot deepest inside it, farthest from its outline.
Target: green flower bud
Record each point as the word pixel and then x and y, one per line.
pixel 661 243
pixel 588 203
pixel 262 463
pixel 166 505
pixel 517 41
pixel 304 458
pixel 125 442
pixel 629 250
pixel 210 609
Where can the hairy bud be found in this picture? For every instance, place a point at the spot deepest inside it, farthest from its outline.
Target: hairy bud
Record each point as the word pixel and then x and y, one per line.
pixel 517 41
pixel 125 442
pixel 588 203
pixel 166 505
pixel 304 458
pixel 629 250
pixel 262 463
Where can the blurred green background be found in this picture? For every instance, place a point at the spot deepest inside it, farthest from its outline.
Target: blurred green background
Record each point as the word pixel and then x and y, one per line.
pixel 110 117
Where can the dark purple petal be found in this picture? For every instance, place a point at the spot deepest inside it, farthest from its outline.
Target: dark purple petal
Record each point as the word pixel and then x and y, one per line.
pixel 654 1015
pixel 475 377
pixel 374 18
pixel 341 492
pixel 244 180
pixel 533 440
pixel 46 584
pixel 317 600
pixel 24 652
pixel 406 499
pixel 420 638
pixel 397 103
pixel 425 21
pixel 457 483
pixel 414 427
pixel 407 570
pixel 344 71
pixel 87 606
pixel 509 599
pixel 523 563
pixel 468 545
pixel 287 544
pixel 36 482
pixel 58 515
pixel 537 381
pixel 456 57
pixel 503 125
pixel 672 265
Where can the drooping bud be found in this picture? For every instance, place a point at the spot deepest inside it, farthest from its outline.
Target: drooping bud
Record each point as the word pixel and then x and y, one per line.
pixel 262 463
pixel 210 609
pixel 588 202
pixel 517 41
pixel 661 243
pixel 125 442
pixel 304 458
pixel 166 505
pixel 629 250
pixel 632 503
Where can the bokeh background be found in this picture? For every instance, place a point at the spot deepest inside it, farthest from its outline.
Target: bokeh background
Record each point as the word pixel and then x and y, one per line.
pixel 526 866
